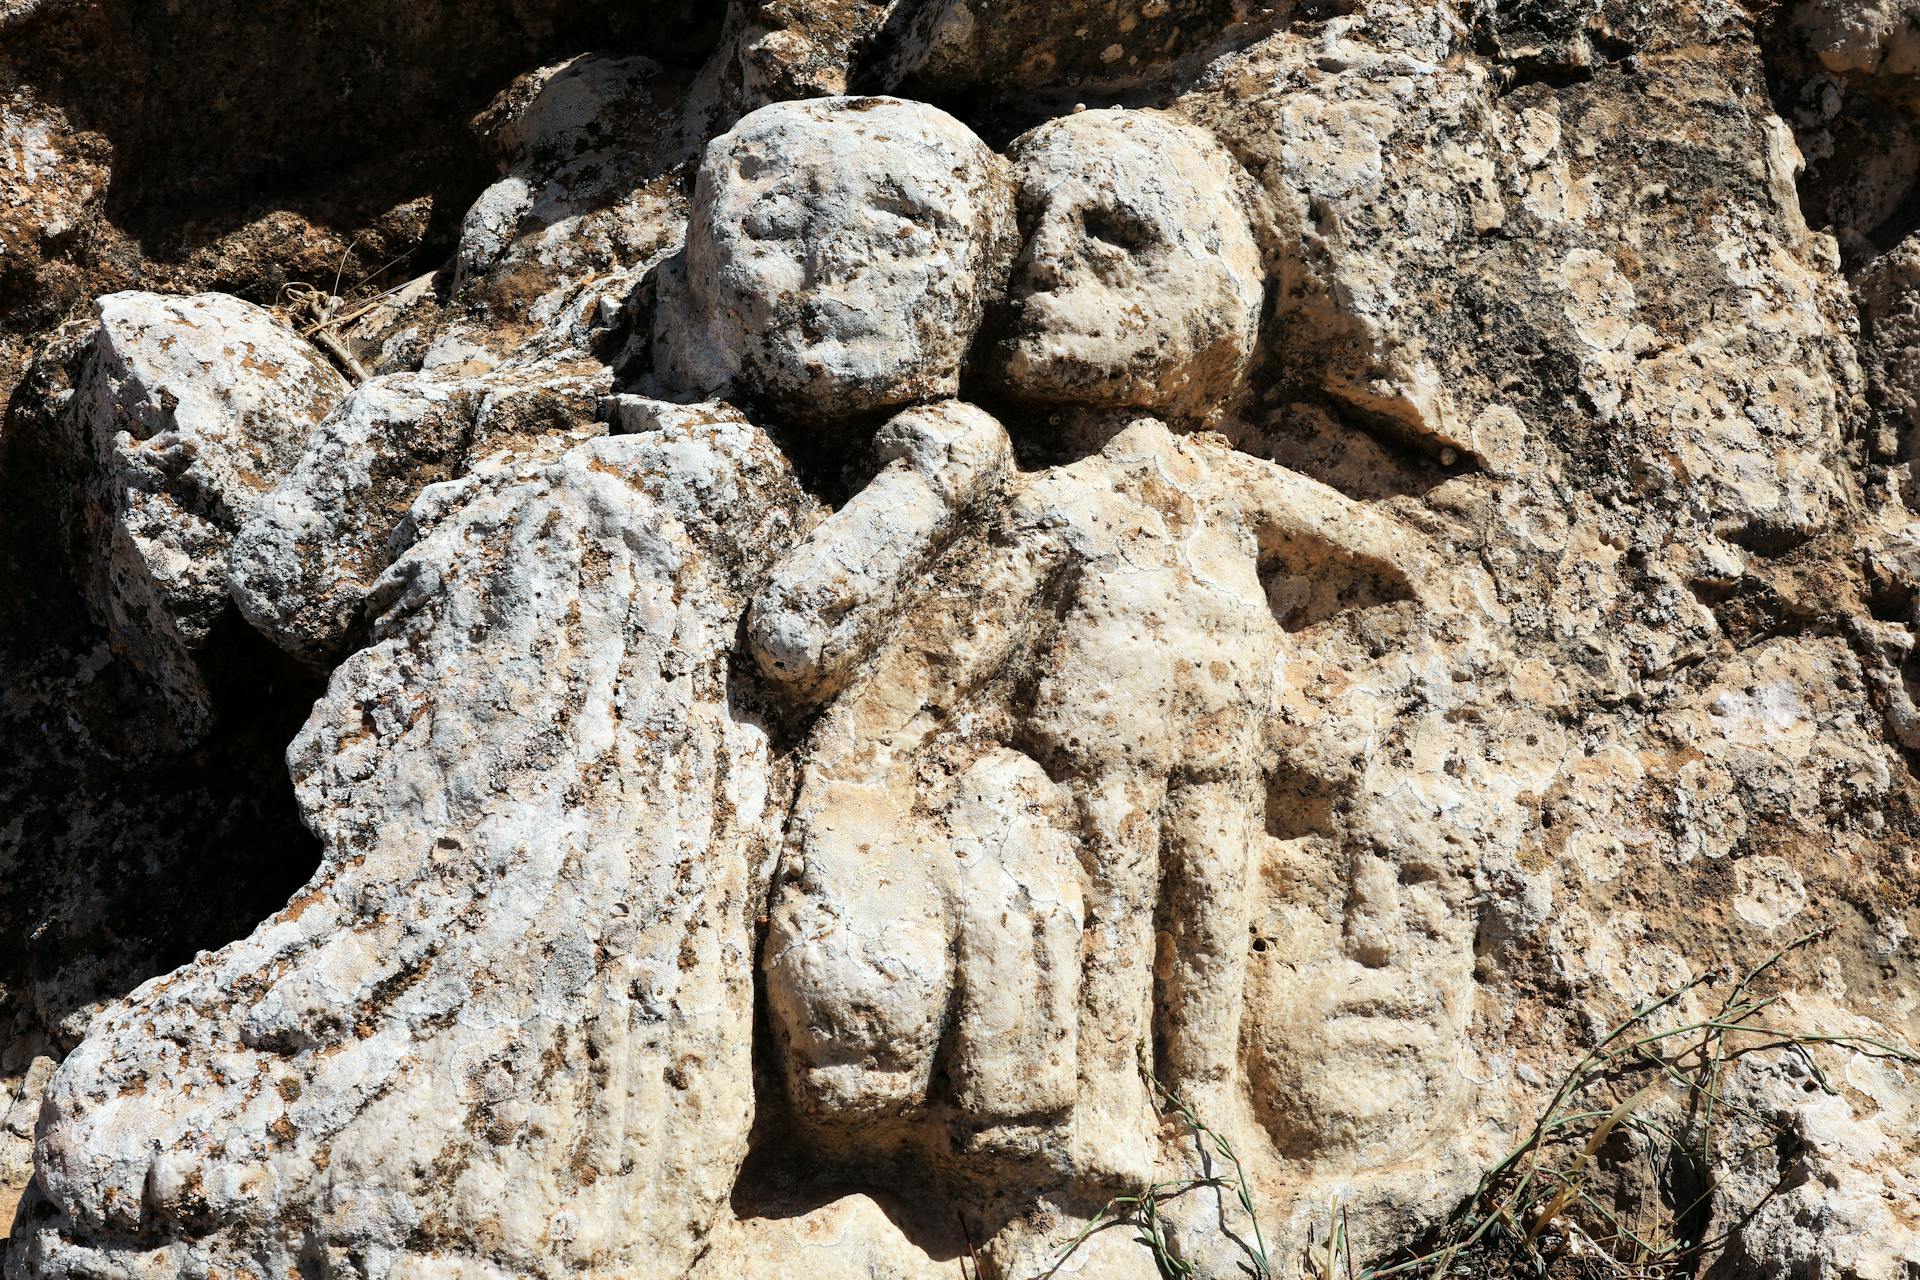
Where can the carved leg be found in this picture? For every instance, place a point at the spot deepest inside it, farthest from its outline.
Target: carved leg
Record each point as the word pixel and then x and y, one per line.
pixel 1020 915
pixel 1209 833
pixel 858 954
pixel 1115 1119
pixel 859 965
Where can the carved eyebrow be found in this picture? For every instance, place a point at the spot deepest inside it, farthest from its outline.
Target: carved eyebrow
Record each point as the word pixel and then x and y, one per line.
pixel 752 162
pixel 910 202
pixel 1118 223
pixel 908 191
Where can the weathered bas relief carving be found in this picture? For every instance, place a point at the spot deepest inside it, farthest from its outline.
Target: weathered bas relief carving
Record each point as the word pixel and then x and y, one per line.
pixel 1022 864
pixel 894 657
pixel 838 254
pixel 1131 581
pixel 375 1067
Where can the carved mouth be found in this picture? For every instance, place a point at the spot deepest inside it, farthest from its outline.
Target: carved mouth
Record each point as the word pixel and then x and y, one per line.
pixel 1059 312
pixel 1385 997
pixel 822 317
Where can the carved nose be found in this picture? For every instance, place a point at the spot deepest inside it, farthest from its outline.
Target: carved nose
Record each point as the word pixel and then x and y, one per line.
pixel 1373 914
pixel 1050 253
pixel 838 258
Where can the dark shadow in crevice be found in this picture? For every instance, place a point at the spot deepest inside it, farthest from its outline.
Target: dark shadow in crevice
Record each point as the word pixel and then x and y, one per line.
pixel 1310 583
pixel 218 112
pixel 1061 60
pixel 123 856
pixel 1365 457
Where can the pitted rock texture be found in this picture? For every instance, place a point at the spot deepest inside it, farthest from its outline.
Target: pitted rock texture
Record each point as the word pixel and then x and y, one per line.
pixel 820 615
pixel 379 1074
pixel 1028 49
pixel 1118 735
pixel 922 595
pixel 188 411
pixel 305 561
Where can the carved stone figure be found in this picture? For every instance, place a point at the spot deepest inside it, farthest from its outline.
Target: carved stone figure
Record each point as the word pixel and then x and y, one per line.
pixel 859 667
pixel 615 662
pixel 188 411
pixel 1130 582
pixel 1030 836
pixel 1139 284
pixel 831 596
pixel 839 254
pixel 363 1074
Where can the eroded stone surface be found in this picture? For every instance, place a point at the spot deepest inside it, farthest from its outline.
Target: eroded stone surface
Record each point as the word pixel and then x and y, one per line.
pixel 1023 49
pixel 305 560
pixel 1849 36
pixel 377 1065
pixel 1104 759
pixel 829 599
pixel 187 412
pixel 1415 565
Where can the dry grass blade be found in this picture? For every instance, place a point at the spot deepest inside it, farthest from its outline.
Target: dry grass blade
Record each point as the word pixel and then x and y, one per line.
pixel 1542 1183
pixel 1571 1189
pixel 1142 1212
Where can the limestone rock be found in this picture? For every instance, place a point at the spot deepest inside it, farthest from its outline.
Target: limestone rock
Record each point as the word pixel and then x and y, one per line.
pixel 1116 786
pixel 1240 576
pixel 788 50
pixel 826 603
pixel 1875 37
pixel 1845 1177
pixel 891 217
pixel 1368 123
pixel 305 560
pixel 550 668
pixel 188 411
pixel 856 1235
pixel 1889 294
pixel 582 144
pixel 1034 49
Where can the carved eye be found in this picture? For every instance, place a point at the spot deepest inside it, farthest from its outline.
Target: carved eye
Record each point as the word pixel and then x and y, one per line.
pixel 777 218
pixel 908 204
pixel 1120 227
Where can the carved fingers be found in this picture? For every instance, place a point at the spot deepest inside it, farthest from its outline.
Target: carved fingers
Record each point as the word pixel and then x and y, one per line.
pixel 830 598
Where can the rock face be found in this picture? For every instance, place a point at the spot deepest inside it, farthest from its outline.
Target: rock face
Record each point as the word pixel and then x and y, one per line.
pixel 1139 284
pixel 188 411
pixel 839 254
pixel 939 626
pixel 384 1076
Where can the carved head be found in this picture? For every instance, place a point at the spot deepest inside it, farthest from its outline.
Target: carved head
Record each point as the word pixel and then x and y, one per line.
pixel 1140 283
pixel 1357 1002
pixel 840 249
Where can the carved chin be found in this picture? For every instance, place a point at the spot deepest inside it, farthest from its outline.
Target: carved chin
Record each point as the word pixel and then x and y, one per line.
pixel 1086 368
pixel 843 374
pixel 1355 1086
